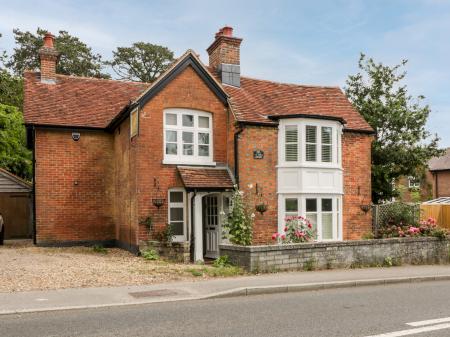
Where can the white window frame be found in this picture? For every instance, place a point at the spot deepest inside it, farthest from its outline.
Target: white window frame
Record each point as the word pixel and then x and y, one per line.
pixel 179 158
pixel 413 183
pixel 301 202
pixel 134 114
pixel 178 238
pixel 336 139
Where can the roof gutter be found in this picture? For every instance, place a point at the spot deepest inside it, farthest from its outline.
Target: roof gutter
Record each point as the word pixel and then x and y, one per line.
pixel 331 118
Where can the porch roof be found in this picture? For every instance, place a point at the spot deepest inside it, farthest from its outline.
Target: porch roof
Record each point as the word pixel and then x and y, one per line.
pixel 206 178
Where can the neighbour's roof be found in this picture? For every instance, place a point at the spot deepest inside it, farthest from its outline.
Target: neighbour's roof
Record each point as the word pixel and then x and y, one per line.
pixel 440 163
pixel 438 201
pixel 12 183
pixel 261 101
pixel 76 101
pixel 205 178
pixel 89 102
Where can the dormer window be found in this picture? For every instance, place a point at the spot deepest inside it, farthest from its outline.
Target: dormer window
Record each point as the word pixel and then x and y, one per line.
pixel 187 137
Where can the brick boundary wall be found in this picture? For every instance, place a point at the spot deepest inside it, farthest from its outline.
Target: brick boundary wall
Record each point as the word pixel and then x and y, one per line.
pixel 345 254
pixel 175 251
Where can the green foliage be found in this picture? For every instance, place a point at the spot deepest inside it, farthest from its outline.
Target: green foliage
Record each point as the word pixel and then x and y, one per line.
pixel 166 235
pixel 147 222
pixel 100 249
pixel 222 261
pixel 150 255
pixel 239 222
pixel 224 271
pixel 368 236
pixel 76 57
pixel 309 265
pixel 141 62
pixel 14 156
pixel 402 144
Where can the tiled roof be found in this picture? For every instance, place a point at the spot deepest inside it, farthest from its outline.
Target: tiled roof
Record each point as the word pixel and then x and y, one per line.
pixel 80 101
pixel 440 163
pixel 256 99
pixel 205 178
pixel 76 101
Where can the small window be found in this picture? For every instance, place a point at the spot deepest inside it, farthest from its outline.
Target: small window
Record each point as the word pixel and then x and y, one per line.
pixel 291 143
pixel 203 144
pixel 171 119
pixel 177 214
pixel 327 144
pixel 311 212
pixel 188 120
pixel 203 122
pixel 413 182
pixel 327 219
pixel 188 143
pixel 291 207
pixel 311 143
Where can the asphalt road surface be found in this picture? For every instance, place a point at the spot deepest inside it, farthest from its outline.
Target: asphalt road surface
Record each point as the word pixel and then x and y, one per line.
pixel 417 309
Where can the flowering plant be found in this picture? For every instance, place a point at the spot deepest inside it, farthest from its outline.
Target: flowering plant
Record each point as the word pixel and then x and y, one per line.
pixel 238 224
pixel 426 227
pixel 298 229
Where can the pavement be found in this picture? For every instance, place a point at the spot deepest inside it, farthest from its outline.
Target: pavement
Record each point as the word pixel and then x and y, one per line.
pixel 84 298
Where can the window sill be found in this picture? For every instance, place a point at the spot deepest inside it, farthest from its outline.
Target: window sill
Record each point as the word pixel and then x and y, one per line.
pixel 187 162
pixel 313 166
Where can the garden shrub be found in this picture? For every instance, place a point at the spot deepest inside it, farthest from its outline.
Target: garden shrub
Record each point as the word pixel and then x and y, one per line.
pixel 238 224
pixel 298 229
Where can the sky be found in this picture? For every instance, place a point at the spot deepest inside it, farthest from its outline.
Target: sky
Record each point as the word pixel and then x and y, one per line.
pixel 305 42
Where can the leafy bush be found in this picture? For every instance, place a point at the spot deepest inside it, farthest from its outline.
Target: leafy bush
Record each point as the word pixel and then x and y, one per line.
pixel 166 235
pixel 401 213
pixel 100 249
pixel 424 228
pixel 239 223
pixel 150 254
pixel 298 229
pixel 222 261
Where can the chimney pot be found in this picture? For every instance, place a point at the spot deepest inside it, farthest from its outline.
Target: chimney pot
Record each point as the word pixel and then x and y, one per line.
pixel 227 31
pixel 49 38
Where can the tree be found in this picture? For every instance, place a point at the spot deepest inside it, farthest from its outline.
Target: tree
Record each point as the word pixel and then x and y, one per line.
pixel 141 62
pixel 14 155
pixel 402 145
pixel 76 57
pixel 11 92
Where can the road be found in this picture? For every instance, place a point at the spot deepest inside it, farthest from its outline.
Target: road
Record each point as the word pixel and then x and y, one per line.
pixel 365 311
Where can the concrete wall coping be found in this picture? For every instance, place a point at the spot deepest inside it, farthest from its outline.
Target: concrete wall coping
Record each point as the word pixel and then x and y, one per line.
pixel 312 245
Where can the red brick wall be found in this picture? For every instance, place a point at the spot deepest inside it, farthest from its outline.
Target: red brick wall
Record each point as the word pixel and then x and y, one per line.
pixel 224 50
pixel 262 172
pixel 187 90
pixel 74 186
pixel 356 162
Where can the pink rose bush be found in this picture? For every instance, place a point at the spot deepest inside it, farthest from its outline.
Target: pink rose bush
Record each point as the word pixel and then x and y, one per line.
pixel 423 228
pixel 298 229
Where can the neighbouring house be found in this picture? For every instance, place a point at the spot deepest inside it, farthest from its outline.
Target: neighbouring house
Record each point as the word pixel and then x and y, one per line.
pixel 414 189
pixel 439 175
pixel 16 205
pixel 111 155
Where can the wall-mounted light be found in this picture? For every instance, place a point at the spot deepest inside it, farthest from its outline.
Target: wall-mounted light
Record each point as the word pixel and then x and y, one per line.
pixel 76 136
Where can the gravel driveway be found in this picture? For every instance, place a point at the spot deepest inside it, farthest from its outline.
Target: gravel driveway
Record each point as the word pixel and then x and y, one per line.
pixel 26 267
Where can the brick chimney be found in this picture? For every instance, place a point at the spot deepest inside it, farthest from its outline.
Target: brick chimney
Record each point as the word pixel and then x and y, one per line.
pixel 224 56
pixel 49 57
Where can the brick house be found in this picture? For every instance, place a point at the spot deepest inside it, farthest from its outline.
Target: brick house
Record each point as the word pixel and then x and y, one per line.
pixel 438 175
pixel 109 154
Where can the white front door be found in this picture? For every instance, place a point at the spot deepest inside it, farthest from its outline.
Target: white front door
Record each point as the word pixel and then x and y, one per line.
pixel 212 226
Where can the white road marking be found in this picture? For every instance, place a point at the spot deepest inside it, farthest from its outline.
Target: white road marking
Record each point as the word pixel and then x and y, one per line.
pixel 41 299
pixel 430 321
pixel 414 331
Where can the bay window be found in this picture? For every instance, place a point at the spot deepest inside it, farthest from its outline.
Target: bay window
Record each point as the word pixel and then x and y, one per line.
pixel 308 143
pixel 187 137
pixel 323 212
